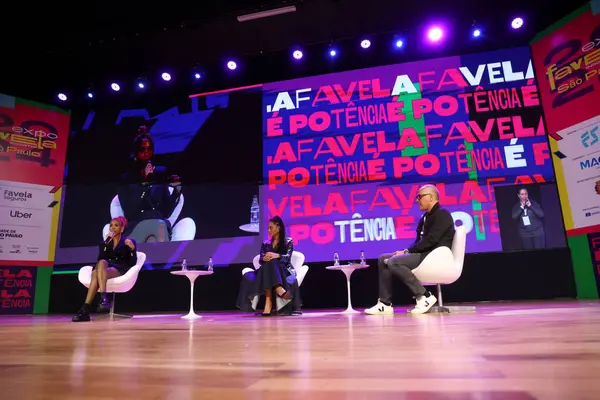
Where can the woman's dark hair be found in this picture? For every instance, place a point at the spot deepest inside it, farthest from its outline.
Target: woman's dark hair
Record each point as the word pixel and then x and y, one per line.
pixel 142 134
pixel 279 222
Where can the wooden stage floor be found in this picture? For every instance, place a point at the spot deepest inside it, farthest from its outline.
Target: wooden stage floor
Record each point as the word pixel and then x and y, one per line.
pixel 517 351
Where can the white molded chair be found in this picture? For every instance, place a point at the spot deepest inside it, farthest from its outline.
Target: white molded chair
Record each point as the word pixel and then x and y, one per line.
pixel 297 262
pixel 120 284
pixel 444 266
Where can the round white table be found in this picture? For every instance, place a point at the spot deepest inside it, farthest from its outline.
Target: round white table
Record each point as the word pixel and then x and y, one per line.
pixel 192 275
pixel 252 228
pixel 348 270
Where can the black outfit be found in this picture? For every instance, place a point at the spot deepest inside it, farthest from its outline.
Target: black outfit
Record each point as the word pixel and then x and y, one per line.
pixel 435 229
pixel 277 272
pixel 533 235
pixel 147 203
pixel 121 257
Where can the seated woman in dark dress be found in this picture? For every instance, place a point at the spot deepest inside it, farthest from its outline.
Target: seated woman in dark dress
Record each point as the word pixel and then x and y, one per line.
pixel 116 256
pixel 276 275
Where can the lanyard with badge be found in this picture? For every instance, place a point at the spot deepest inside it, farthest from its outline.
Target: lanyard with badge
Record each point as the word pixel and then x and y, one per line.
pixel 525 217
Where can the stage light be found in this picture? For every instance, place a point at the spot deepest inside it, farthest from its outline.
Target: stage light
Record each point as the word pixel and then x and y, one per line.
pixel 476 33
pixel 166 76
pixel 231 65
pixel 141 85
pixel 90 95
pixel 399 43
pixel 517 23
pixel 297 54
pixel 435 34
pixel 115 86
pixel 62 97
pixel 197 75
pixel 332 53
pixel 365 44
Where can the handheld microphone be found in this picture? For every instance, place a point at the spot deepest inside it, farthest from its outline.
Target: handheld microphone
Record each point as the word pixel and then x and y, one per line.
pixel 107 241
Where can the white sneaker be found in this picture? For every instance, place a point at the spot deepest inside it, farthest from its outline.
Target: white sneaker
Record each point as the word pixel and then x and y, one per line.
pixel 380 309
pixel 424 303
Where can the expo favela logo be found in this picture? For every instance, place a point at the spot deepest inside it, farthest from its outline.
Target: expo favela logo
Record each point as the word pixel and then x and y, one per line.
pixel 31 140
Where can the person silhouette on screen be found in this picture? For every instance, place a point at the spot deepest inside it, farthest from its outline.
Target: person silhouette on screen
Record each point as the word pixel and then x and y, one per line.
pixel 435 229
pixel 149 196
pixel 530 220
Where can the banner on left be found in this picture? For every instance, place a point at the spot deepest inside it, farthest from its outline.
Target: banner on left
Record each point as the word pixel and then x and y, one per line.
pixel 33 147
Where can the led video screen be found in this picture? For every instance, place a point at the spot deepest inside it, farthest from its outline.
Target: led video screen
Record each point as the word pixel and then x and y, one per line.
pixel 344 154
pixel 184 172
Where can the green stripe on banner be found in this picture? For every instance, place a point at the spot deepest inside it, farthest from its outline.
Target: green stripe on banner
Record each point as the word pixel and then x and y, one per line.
pixel 65 272
pixel 42 106
pixel 585 281
pixel 472 169
pixel 42 290
pixel 479 234
pixel 558 24
pixel 410 122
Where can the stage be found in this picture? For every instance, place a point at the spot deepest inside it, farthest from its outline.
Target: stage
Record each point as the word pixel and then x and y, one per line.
pixel 528 350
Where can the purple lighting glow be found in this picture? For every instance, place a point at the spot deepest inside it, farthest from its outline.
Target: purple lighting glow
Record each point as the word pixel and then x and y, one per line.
pixel 297 54
pixel 435 34
pixel 231 65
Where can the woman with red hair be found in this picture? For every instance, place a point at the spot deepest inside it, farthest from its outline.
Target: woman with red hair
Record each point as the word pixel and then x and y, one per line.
pixel 117 254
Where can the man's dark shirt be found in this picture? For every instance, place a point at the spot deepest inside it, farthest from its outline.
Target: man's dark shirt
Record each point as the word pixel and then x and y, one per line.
pixel 435 229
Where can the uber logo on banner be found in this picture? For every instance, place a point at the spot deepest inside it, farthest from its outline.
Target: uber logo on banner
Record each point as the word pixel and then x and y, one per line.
pixel 20 214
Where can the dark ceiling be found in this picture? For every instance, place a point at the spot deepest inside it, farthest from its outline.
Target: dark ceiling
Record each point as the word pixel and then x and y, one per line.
pixel 48 48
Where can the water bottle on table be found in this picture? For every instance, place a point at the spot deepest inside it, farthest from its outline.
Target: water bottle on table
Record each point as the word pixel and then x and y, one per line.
pixel 210 264
pixel 336 259
pixel 254 211
pixel 184 265
pixel 362 258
